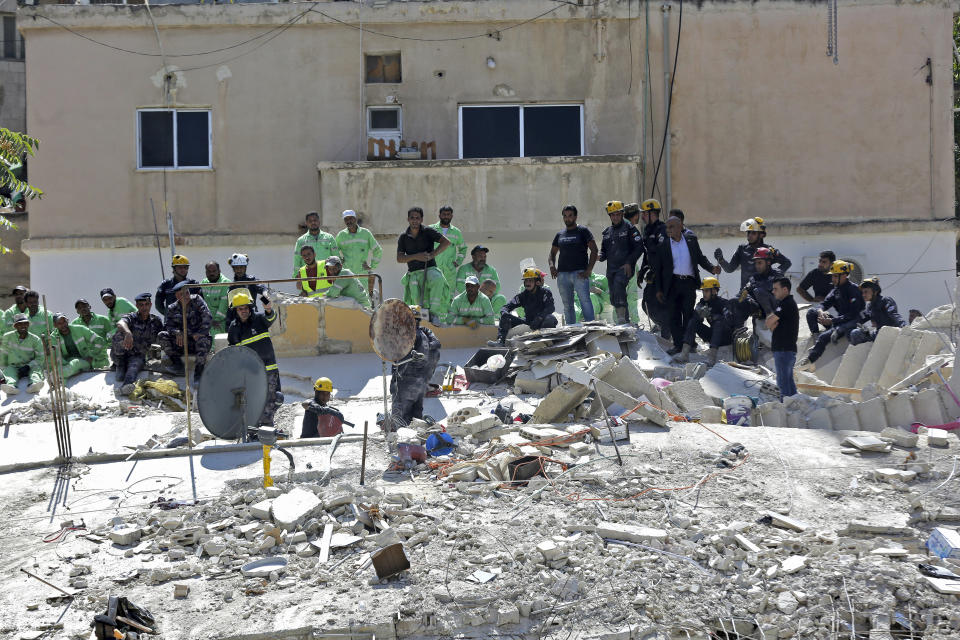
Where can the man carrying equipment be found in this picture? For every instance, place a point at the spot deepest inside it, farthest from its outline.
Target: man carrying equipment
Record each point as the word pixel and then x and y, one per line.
pixel 21 356
pixel 538 308
pixel 319 419
pixel 743 257
pixel 410 376
pixel 252 329
pixel 712 321
pixel 620 248
pixel 845 298
pixel 880 310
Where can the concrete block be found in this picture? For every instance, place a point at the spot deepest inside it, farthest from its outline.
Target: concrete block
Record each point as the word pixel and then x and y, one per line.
pixel 629 378
pixel 786 522
pixel 872 414
pixel 796 420
pixel 711 414
pixel 629 532
pixel 877 358
pixel 892 475
pixel 745 544
pixel 550 551
pixel 938 438
pixel 793 564
pixel 819 419
pixel 843 416
pixel 527 382
pixel 898 358
pixel 928 408
pixel 900 436
pixel 337 500
pixel 689 396
pixel 929 344
pixel 560 402
pixel 508 614
pixel 772 414
pixel 899 407
pixel 294 507
pixel 125 535
pixel 580 448
pixel 476 424
pixel 261 510
pixel 851 364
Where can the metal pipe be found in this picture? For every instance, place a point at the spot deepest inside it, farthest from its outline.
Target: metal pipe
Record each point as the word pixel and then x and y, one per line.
pixel 668 201
pixel 363 455
pixel 379 280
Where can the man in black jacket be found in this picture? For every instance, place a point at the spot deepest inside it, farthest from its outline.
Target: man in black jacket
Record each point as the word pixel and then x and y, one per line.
pixel 320 420
pixel 538 308
pixel 620 248
pixel 654 230
pixel 743 257
pixel 880 310
pixel 712 321
pixel 845 298
pixel 252 329
pixel 677 277
pixel 409 378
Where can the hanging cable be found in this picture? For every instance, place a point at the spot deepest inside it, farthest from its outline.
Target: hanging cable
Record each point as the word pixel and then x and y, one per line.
pixel 673 76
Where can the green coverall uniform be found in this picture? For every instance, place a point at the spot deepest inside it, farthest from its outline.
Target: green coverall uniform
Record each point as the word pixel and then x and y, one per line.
pixel 487 273
pixel 100 325
pixel 462 311
pixel 216 299
pixel 497 302
pixel 89 350
pixel 450 260
pixel 601 301
pixel 16 353
pixel 348 288
pixel 357 248
pixel 121 307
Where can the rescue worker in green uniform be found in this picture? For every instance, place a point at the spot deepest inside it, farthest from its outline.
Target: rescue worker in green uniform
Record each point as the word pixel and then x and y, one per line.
pixel 599 297
pixel 19 306
pixel 81 349
pixel 117 307
pixel 478 268
pixel 450 260
pixel 87 319
pixel 21 356
pixel 360 251
pixel 471 308
pixel 37 316
pixel 216 297
pixel 488 288
pixel 345 287
pixel 323 243
pixel 316 285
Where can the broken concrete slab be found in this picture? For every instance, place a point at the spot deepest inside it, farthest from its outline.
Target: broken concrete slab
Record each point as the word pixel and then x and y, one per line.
pixel 689 396
pixel 261 510
pixel 851 364
pixel 927 407
pixel 900 437
pixel 866 443
pixel 629 532
pixel 627 377
pixel 294 507
pixel 786 522
pixel 877 359
pixel 872 414
pixel 890 475
pixel 899 407
pixel 843 417
pixel 938 438
pixel 560 402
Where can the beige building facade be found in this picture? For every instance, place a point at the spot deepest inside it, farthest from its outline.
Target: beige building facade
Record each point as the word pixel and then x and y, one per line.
pixel 255 114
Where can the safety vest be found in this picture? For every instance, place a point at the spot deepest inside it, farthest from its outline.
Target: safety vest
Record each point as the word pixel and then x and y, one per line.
pixel 315 288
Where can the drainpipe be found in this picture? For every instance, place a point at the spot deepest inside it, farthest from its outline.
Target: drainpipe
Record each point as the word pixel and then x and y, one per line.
pixel 665 9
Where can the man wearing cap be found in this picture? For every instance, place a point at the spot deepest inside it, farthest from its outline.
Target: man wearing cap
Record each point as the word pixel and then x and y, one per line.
pixel 216 297
pixel 21 356
pixel 197 337
pixel 322 243
pixel 117 307
pixel 87 319
pixel 488 288
pixel 136 332
pixel 345 287
pixel 251 329
pixel 471 307
pixel 80 348
pixel 571 267
pixel 165 296
pixel 19 306
pixel 423 283
pixel 360 251
pixel 40 319
pixel 620 248
pixel 450 261
pixel 477 267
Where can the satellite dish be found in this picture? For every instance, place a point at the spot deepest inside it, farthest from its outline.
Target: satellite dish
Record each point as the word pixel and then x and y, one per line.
pixel 232 392
pixel 393 330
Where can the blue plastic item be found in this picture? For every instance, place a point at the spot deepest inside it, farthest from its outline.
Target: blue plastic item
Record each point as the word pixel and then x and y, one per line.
pixel 439 444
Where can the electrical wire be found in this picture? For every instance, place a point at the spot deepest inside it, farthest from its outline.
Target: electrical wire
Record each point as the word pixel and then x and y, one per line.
pixel 673 76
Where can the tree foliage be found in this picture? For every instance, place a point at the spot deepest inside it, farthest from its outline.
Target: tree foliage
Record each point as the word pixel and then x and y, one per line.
pixel 14 149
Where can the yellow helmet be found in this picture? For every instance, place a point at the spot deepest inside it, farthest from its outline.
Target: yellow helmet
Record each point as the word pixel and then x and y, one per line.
pixel 240 299
pixel 181 261
pixel 840 266
pixel 752 224
pixel 651 204
pixel 418 312
pixel 710 283
pixel 614 205
pixel 530 272
pixel 323 384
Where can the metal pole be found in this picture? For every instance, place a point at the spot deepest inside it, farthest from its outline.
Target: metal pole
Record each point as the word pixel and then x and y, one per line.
pixel 186 374
pixel 363 455
pixel 668 201
pixel 606 417
pixel 156 234
pixel 173 248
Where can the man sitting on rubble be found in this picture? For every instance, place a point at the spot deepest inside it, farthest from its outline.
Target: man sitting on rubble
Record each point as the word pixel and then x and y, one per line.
pixel 252 329
pixel 21 356
pixel 136 332
pixel 756 298
pixel 87 319
pixel 117 307
pixel 537 303
pixel 488 288
pixel 818 278
pixel 345 287
pixel 880 310
pixel 80 348
pixel 845 298
pixel 319 419
pixel 409 378
pixel 712 320
pixel 197 336
pixel 19 306
pixel 471 308
pixel 40 319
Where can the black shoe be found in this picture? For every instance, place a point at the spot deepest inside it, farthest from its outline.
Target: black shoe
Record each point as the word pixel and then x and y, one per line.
pixel 674 351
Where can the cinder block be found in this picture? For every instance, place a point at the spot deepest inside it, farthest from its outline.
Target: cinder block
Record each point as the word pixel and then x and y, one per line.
pixel 844 416
pixel 689 396
pixel 772 414
pixel 899 408
pixel 261 510
pixel 559 402
pixel 877 358
pixel 476 424
pixel 125 535
pixel 927 407
pixel 711 414
pixel 819 419
pixel 851 364
pixel 872 414
pixel 294 507
pixel 900 436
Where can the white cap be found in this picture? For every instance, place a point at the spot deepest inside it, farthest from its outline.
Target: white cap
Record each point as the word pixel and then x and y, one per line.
pixel 349 212
pixel 472 280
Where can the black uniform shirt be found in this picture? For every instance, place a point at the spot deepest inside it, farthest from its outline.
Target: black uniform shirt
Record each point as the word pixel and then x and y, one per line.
pixel 785 334
pixel 426 238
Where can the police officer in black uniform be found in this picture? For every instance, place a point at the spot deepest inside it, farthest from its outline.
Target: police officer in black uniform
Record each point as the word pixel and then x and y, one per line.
pixel 165 294
pixel 880 310
pixel 846 300
pixel 654 231
pixel 620 248
pixel 538 308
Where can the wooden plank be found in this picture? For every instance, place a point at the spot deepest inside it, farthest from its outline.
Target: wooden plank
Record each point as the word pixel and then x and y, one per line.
pixel 827 388
pixel 325 543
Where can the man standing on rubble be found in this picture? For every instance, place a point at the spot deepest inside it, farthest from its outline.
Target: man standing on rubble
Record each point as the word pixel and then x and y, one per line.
pixel 784 321
pixel 252 329
pixel 409 378
pixel 538 308
pixel 677 259
pixel 654 231
pixel 136 331
pixel 711 320
pixel 197 338
pixel 743 256
pixel 818 278
pixel 423 283
pixel 845 298
pixel 574 268
pixel 880 310
pixel 620 248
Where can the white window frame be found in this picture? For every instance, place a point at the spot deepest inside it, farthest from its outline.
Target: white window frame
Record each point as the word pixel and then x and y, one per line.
pixel 176 166
pixel 521 106
pixel 398 132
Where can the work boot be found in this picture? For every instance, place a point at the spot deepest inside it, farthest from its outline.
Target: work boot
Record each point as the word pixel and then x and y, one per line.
pixel 621 315
pixel 673 351
pixel 127 389
pixel 684 355
pixel 36 387
pixel 9 389
pixel 711 355
pixel 197 371
pixel 176 366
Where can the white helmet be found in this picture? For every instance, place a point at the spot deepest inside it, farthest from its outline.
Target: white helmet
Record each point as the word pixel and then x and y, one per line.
pixel 238 260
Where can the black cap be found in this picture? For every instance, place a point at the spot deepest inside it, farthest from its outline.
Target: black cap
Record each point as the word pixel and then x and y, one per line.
pixel 107 292
pixel 142 296
pixel 182 284
pixel 80 302
pixel 479 247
